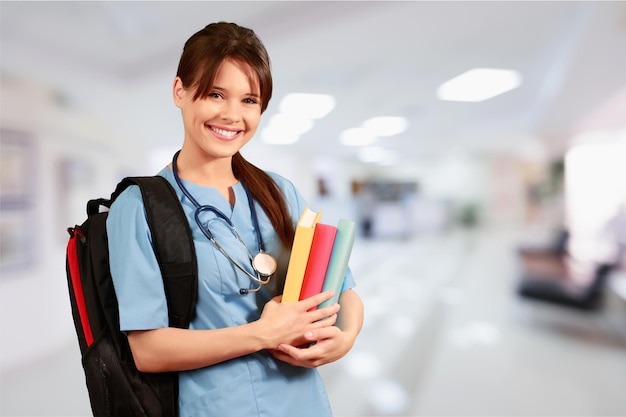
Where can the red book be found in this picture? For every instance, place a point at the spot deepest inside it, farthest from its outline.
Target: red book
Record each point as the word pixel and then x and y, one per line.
pixel 319 256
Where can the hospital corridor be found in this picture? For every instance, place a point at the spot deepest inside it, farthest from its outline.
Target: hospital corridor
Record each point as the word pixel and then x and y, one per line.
pixel 478 146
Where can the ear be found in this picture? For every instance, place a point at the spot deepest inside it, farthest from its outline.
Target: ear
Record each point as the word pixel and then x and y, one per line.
pixel 178 92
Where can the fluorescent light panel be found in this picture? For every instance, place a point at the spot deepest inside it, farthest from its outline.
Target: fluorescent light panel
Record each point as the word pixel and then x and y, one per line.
pixel 310 106
pixel 378 155
pixel 372 129
pixel 279 136
pixel 297 113
pixel 292 123
pixel 479 84
pixel 385 126
pixel 357 136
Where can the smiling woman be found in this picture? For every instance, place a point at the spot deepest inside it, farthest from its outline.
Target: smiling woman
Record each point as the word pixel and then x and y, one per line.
pixel 245 353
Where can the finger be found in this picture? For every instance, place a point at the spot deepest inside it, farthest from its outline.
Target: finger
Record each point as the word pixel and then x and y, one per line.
pixel 325 312
pixel 310 357
pixel 288 353
pixel 320 334
pixel 299 354
pixel 277 354
pixel 324 322
pixel 294 362
pixel 317 299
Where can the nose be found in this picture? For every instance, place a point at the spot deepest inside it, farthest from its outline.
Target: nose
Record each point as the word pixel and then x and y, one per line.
pixel 231 111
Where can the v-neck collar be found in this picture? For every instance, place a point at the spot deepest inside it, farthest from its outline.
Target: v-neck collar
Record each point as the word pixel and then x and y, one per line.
pixel 208 195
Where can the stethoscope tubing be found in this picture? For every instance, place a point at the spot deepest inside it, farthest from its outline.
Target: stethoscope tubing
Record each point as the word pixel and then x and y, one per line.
pixel 260 278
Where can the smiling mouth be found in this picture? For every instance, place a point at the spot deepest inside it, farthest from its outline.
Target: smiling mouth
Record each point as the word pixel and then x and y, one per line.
pixel 229 134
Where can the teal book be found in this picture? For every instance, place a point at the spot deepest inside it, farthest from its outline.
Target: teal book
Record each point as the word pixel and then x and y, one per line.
pixel 338 263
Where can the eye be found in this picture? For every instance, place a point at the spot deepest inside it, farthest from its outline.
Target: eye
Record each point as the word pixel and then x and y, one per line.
pixel 214 94
pixel 250 100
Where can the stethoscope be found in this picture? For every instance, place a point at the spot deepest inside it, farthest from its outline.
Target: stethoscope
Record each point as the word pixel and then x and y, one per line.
pixel 264 264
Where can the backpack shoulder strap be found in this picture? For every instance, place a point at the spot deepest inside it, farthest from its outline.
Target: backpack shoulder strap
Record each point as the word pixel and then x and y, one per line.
pixel 173 245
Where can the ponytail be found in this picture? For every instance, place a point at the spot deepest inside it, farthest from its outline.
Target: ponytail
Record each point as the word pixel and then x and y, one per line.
pixel 266 192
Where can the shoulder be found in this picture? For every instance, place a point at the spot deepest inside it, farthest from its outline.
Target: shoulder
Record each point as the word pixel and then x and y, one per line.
pixel 286 187
pixel 129 200
pixel 283 183
pixel 131 197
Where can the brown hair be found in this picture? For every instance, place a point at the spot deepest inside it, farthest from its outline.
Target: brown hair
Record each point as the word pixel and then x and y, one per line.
pixel 202 56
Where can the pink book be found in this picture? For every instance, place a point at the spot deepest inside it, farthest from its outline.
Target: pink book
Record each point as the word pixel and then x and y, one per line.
pixel 319 256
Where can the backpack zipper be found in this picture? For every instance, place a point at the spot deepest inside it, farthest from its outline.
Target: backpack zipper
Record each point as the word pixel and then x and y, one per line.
pixel 77 232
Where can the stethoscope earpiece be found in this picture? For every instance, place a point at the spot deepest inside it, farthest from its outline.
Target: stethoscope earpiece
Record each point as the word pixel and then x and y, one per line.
pixel 263 264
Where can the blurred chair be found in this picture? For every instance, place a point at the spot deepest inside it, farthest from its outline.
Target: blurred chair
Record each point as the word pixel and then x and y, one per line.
pixel 558 247
pixel 557 285
pixel 550 274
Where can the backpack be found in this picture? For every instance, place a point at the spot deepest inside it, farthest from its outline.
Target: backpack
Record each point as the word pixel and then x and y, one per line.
pixel 115 386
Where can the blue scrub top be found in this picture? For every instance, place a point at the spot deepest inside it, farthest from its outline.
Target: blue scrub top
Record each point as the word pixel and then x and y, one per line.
pixel 252 385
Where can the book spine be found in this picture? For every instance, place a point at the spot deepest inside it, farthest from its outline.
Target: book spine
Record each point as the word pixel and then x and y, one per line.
pixel 297 264
pixel 338 263
pixel 299 255
pixel 319 256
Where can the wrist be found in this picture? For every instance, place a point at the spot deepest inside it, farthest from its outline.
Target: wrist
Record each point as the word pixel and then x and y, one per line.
pixel 262 338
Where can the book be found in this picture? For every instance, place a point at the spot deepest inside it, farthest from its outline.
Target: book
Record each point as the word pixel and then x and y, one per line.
pixel 317 264
pixel 338 263
pixel 300 249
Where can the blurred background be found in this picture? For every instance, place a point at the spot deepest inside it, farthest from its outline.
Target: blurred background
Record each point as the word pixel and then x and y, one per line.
pixel 490 254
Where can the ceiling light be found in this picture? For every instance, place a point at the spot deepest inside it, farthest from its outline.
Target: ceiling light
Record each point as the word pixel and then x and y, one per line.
pixel 379 155
pixel 310 106
pixel 357 136
pixel 479 84
pixel 278 136
pixel 371 154
pixel 385 126
pixel 291 123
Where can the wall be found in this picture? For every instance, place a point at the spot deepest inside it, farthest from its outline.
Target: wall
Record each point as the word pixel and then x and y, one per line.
pixel 35 316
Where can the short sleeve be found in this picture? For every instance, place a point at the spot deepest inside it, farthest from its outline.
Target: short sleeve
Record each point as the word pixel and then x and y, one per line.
pixel 348 281
pixel 136 275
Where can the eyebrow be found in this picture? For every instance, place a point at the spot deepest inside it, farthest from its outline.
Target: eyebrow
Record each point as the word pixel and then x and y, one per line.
pixel 256 95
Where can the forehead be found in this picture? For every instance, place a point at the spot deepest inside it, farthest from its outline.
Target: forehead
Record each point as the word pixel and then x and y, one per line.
pixel 235 70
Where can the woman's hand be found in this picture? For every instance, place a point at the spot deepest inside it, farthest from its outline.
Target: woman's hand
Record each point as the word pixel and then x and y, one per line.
pixel 290 323
pixel 323 346
pixel 330 343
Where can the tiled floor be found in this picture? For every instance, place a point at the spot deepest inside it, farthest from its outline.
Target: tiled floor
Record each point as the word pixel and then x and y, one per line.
pixel 445 335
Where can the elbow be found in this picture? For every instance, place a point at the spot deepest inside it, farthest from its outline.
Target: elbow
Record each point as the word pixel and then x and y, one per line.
pixel 145 360
pixel 143 364
pixel 351 315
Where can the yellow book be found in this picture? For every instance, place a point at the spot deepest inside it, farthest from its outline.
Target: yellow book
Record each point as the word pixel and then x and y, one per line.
pixel 300 254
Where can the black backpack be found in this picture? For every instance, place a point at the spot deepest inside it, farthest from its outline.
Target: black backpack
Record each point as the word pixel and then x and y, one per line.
pixel 116 387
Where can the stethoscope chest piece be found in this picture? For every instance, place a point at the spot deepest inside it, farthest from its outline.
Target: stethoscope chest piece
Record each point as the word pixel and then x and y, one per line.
pixel 264 264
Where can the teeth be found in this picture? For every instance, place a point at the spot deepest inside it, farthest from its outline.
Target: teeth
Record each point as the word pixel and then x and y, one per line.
pixel 228 133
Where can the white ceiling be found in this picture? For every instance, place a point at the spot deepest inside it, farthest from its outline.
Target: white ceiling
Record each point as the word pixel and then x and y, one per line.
pixel 117 60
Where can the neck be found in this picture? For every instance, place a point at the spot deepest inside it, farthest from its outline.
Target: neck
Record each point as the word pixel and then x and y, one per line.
pixel 212 173
pixel 216 173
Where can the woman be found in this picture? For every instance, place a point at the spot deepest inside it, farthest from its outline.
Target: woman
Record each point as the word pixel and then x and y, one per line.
pixel 245 353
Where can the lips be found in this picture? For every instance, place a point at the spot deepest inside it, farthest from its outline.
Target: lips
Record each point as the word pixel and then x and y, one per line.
pixel 225 134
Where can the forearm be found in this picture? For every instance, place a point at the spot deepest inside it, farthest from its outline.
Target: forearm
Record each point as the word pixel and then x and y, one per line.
pixel 173 349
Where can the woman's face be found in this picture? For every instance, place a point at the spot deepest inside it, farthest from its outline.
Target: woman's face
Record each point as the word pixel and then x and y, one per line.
pixel 218 125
